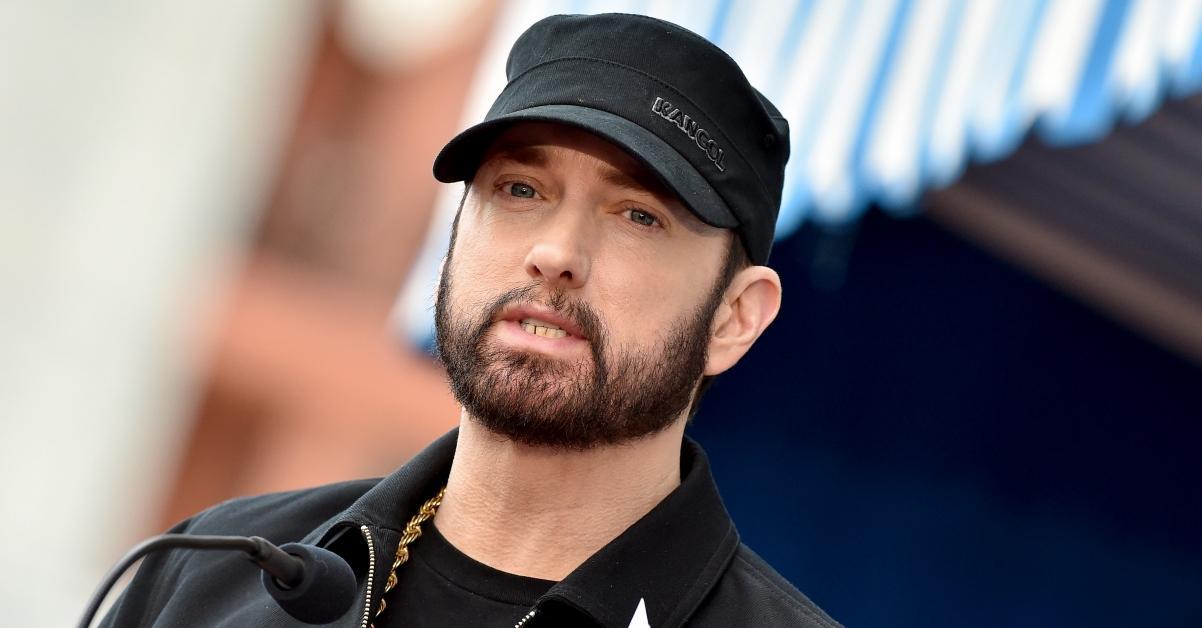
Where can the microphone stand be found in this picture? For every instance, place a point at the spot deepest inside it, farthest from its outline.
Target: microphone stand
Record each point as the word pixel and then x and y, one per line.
pixel 285 568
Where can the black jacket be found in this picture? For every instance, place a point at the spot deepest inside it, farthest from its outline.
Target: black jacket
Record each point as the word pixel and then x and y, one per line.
pixel 683 560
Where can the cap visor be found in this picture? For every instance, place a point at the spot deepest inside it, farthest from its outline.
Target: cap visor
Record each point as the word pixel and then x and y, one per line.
pixel 460 158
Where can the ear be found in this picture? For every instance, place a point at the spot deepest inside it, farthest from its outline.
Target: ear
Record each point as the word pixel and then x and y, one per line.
pixel 748 306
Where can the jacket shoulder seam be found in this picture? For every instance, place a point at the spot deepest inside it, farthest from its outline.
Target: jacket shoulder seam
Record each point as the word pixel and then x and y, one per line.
pixel 254 500
pixel 777 590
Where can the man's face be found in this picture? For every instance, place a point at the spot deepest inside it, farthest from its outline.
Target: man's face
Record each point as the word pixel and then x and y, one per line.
pixel 577 296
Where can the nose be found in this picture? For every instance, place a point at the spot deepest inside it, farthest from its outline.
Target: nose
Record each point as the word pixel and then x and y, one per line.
pixel 558 255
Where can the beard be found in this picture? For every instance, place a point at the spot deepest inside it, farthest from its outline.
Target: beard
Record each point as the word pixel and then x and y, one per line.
pixel 606 398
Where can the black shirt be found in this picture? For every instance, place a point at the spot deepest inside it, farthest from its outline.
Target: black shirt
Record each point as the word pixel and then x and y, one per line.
pixel 441 587
pixel 680 566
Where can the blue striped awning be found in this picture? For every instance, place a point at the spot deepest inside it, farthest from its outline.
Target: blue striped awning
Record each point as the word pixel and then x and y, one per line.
pixel 887 98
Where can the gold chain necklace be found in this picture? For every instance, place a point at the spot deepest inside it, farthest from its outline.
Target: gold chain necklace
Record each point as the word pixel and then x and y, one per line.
pixel 412 531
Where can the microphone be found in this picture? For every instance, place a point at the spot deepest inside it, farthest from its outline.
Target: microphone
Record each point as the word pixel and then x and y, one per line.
pixel 312 584
pixel 324 590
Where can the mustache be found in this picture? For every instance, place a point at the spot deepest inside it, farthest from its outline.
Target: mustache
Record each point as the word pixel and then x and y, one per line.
pixel 578 312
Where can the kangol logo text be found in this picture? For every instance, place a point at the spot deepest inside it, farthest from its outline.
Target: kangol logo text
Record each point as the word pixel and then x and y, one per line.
pixel 689 127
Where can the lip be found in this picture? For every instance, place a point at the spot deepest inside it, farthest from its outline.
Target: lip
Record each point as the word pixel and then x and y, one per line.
pixel 508 330
pixel 516 313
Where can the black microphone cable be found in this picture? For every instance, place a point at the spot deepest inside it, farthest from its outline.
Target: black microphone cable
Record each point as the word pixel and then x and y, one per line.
pixel 289 577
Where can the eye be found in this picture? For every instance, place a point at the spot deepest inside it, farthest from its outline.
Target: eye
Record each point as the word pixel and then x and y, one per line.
pixel 643 218
pixel 521 190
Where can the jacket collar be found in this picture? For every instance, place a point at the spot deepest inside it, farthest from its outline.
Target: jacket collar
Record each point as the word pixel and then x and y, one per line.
pixel 669 559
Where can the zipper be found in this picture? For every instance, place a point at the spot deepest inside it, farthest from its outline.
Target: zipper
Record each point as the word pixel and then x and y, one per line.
pixel 522 621
pixel 371 574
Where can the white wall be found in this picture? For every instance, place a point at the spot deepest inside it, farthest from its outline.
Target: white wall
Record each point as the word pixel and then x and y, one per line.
pixel 136 139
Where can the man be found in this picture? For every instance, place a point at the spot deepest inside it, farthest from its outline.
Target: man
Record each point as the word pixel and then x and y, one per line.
pixel 606 261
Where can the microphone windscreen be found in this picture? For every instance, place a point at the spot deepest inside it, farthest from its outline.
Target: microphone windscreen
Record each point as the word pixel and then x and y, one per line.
pixel 326 591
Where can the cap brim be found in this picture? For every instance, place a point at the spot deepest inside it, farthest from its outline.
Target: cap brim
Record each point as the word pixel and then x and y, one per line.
pixel 460 158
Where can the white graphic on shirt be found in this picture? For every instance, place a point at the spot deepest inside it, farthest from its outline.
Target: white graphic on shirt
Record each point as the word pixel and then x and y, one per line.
pixel 640 616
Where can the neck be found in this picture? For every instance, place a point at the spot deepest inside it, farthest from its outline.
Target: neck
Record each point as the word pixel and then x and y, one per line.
pixel 540 512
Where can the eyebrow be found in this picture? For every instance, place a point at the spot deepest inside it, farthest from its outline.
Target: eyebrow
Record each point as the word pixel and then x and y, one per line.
pixel 538 157
pixel 525 155
pixel 638 182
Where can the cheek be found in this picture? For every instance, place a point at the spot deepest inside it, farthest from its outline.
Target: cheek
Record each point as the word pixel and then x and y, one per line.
pixel 480 267
pixel 641 307
pixel 468 279
pixel 485 241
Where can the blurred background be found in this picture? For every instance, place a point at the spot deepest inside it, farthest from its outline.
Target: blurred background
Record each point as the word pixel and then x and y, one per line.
pixel 980 406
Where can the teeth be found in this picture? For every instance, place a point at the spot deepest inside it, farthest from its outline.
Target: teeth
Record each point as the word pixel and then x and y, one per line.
pixel 541 330
pixel 538 323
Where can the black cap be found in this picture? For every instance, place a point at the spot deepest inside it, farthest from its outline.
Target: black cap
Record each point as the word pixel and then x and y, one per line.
pixel 662 93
